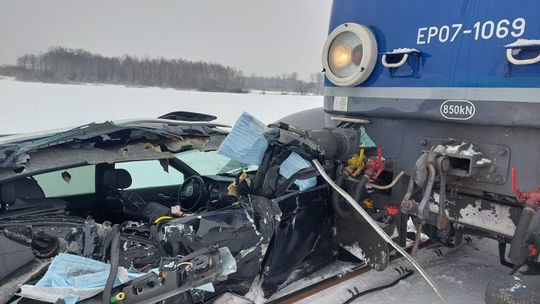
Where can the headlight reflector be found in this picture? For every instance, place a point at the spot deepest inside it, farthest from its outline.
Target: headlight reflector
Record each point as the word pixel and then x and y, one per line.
pixel 350 54
pixel 340 56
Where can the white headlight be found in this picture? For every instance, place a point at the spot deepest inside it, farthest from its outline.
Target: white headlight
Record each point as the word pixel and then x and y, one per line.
pixel 350 54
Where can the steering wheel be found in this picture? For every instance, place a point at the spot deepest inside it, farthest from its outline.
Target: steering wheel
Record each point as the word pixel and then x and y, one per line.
pixel 191 193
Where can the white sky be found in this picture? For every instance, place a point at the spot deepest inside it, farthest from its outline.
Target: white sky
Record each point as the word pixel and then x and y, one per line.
pixel 264 37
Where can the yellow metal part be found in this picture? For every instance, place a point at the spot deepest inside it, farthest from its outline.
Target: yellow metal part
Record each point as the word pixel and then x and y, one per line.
pixel 356 164
pixel 165 217
pixel 368 203
pixel 231 189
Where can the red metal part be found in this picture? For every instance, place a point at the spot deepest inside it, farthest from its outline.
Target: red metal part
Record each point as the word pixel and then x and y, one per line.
pixel 515 187
pixel 375 166
pixel 533 251
pixel 392 210
pixel 531 198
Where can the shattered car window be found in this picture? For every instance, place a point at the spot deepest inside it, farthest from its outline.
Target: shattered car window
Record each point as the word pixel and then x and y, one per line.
pixel 212 163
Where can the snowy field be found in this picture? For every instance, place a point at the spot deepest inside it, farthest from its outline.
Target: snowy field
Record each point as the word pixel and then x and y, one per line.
pixel 31 106
pixel 462 273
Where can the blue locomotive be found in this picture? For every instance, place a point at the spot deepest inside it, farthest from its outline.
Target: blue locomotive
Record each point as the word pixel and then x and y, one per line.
pixel 449 94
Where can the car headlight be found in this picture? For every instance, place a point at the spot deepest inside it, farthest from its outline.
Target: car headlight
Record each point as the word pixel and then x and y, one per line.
pixel 350 54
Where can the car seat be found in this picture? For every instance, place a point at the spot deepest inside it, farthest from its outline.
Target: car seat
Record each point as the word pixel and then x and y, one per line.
pixel 117 180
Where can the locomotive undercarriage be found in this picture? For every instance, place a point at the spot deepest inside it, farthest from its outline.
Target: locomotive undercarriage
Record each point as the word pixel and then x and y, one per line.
pixel 449 179
pixel 464 179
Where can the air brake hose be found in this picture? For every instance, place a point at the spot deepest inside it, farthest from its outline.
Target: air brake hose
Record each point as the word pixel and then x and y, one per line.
pixel 336 204
pixel 358 191
pixel 114 260
pixel 379 230
pixel 360 188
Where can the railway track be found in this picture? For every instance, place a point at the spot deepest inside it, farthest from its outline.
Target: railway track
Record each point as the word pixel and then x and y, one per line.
pixel 332 281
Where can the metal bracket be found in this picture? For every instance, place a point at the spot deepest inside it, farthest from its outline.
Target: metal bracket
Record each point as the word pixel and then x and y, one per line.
pixel 481 162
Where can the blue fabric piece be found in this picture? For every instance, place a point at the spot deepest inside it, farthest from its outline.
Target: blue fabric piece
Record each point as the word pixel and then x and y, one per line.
pixel 75 278
pixel 79 273
pixel 245 143
pixel 293 164
pixel 68 270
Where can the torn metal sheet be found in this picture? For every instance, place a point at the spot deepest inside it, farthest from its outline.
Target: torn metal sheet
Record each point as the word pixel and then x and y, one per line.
pixel 303 241
pixel 15 149
pixel 199 143
pixel 66 156
pixel 361 240
pixel 246 230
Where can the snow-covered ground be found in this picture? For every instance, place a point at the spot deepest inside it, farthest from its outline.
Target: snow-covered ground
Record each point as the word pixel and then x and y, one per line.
pixel 31 106
pixel 462 273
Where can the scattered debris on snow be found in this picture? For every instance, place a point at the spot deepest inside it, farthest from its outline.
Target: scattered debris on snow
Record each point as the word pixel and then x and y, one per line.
pixel 462 273
pixel 255 293
pixel 335 269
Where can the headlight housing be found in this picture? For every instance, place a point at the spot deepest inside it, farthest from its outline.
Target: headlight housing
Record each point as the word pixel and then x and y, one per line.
pixel 350 54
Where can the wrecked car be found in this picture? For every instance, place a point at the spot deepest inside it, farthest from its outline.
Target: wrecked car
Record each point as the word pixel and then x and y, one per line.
pixel 159 202
pixel 180 209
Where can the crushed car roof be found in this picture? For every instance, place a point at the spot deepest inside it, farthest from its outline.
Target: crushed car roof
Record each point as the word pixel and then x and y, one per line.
pixel 18 152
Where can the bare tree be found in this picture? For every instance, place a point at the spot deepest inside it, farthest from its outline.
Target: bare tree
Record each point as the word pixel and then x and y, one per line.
pixel 60 64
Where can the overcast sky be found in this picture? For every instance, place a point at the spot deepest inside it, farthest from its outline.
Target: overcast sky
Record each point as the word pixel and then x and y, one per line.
pixel 265 37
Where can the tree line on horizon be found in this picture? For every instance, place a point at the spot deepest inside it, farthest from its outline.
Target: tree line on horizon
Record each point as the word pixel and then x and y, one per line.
pixel 65 65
